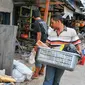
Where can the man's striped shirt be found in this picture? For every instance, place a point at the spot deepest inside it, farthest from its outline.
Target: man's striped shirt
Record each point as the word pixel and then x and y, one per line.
pixel 68 35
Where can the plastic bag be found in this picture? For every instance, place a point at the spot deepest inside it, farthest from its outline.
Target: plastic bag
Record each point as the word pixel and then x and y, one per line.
pixel 5 78
pixel 23 69
pixel 70 48
pixel 31 59
pixel 19 77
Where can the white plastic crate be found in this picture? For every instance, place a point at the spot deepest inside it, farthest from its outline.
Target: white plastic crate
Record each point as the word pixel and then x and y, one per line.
pixel 61 59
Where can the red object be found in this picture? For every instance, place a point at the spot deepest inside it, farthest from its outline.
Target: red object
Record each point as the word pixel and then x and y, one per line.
pixel 82 61
pixel 24 36
pixel 81 24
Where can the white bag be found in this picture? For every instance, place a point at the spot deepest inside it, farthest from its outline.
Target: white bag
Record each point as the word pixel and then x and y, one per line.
pixel 19 77
pixel 23 69
pixel 31 59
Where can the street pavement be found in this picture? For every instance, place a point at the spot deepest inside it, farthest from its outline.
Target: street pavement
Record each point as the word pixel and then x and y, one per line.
pixel 76 77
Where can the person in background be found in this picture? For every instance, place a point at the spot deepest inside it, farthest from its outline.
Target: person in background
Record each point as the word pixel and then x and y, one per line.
pixel 40 28
pixel 77 26
pixel 60 35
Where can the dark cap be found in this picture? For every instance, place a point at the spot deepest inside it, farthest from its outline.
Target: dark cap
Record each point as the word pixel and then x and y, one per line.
pixel 36 13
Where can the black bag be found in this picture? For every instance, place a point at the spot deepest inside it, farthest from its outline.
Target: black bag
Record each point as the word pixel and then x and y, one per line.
pixel 70 48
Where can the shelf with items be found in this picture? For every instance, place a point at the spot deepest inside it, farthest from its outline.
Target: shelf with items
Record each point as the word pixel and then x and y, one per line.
pixel 24 27
pixel 24 22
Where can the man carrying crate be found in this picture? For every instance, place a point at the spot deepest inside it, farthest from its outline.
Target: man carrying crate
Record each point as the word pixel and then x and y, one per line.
pixel 60 35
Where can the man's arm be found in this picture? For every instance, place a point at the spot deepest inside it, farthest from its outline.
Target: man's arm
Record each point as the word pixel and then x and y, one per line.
pixel 78 46
pixel 76 41
pixel 38 36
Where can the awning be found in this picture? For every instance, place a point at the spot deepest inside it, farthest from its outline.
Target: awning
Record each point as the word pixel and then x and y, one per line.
pixel 67 12
pixel 71 3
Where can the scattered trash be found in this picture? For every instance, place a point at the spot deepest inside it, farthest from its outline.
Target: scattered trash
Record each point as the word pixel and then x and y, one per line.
pixel 19 77
pixel 31 59
pixel 21 72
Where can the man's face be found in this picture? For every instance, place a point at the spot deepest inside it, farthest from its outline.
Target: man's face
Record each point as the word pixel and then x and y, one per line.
pixel 54 24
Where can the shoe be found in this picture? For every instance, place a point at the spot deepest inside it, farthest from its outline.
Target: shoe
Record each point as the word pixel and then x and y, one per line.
pixel 36 73
pixel 42 70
